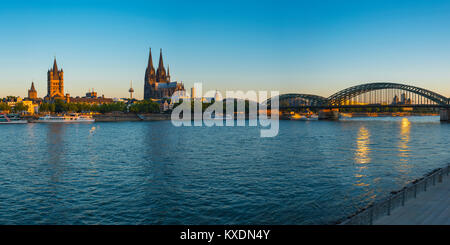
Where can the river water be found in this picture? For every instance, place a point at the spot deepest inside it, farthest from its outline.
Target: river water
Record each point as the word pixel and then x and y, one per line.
pixel 313 172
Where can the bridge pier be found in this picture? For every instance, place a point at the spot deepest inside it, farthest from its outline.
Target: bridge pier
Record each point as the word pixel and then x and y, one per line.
pixel 329 114
pixel 445 115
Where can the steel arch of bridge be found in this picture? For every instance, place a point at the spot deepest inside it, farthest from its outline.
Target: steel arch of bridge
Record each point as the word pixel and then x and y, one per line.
pixel 314 100
pixel 340 97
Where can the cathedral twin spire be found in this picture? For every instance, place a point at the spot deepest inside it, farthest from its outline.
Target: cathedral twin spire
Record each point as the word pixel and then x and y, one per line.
pixel 157 82
pixel 161 75
pixel 150 61
pixel 161 64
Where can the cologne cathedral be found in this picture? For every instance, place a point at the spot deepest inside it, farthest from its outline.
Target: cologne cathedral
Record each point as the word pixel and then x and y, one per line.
pixel 157 83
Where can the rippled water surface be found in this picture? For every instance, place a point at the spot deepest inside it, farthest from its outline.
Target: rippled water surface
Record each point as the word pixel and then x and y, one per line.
pixel 154 173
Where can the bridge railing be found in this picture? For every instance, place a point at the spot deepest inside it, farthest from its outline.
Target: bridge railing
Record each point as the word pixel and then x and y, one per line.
pixel 397 199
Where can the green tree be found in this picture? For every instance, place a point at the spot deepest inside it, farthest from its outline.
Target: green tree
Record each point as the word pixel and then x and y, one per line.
pixel 146 106
pixel 105 108
pixel 4 107
pixel 20 107
pixel 73 107
pixel 60 106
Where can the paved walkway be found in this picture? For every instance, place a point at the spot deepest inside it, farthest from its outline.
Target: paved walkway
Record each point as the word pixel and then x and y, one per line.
pixel 429 208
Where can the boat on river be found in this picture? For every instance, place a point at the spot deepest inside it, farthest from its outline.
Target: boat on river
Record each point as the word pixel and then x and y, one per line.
pixel 70 118
pixel 11 119
pixel 298 117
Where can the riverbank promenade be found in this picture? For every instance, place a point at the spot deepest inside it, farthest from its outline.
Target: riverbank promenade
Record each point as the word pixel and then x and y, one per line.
pixel 430 208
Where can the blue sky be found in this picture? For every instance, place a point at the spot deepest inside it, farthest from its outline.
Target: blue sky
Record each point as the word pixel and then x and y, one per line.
pixel 316 47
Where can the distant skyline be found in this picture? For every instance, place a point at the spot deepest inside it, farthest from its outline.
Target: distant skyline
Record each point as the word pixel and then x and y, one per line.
pixel 314 47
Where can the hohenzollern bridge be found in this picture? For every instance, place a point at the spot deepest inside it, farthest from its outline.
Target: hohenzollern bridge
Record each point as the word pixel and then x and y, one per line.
pixel 381 94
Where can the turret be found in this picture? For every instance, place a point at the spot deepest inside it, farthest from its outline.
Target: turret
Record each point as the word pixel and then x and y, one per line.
pixel 168 73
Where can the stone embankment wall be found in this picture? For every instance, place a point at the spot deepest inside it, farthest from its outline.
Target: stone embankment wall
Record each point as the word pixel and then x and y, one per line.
pixel 154 117
pixel 121 117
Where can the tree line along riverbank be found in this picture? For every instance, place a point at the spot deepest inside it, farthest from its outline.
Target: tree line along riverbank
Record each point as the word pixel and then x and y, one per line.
pixel 60 106
pixel 143 106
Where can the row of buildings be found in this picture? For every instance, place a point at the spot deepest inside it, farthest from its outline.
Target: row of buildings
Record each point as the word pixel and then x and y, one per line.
pixel 12 101
pixel 157 87
pixel 55 90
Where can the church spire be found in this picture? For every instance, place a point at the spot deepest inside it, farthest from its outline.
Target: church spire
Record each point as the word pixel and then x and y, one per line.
pixel 150 70
pixel 161 71
pixel 168 73
pixel 55 66
pixel 32 87
pixel 161 64
pixel 150 60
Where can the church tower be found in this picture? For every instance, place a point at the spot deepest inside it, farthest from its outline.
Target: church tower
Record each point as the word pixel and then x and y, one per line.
pixel 157 82
pixel 32 93
pixel 150 77
pixel 161 76
pixel 55 82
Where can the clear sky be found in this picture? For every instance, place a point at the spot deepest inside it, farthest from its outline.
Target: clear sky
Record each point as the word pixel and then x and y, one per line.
pixel 316 47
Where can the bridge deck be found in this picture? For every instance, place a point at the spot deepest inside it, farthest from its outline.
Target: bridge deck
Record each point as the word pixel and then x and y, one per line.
pixel 362 106
pixel 430 208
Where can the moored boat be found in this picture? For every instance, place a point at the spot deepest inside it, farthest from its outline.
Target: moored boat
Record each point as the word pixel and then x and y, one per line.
pixel 11 119
pixel 71 118
pixel 298 117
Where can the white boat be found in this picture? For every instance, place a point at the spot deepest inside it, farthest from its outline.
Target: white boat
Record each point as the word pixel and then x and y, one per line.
pixel 11 119
pixel 71 118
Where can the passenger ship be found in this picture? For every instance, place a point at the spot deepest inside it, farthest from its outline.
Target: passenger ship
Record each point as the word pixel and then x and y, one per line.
pixel 11 119
pixel 71 118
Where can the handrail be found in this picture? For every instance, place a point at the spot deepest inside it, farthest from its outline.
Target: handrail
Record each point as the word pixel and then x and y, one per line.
pixel 396 199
